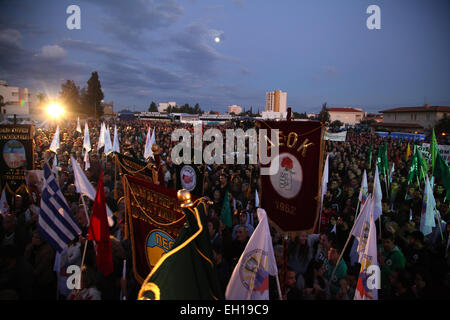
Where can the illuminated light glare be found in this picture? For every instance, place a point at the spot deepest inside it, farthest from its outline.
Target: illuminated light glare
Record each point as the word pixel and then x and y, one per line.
pixel 217 39
pixel 54 110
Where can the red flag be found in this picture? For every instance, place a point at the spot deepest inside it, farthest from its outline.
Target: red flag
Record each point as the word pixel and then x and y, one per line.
pixel 99 231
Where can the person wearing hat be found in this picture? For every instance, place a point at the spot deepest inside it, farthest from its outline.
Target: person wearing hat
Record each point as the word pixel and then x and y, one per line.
pixel 243 222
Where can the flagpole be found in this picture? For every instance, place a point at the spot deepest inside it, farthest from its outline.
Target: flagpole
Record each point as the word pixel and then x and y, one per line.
pixel 85 241
pixel 342 253
pixel 278 287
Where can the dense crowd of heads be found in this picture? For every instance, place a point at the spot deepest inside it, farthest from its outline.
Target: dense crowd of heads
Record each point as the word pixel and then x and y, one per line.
pixel 413 266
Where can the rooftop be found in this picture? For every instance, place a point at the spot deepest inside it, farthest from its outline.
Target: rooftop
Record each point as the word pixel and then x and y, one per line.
pixel 346 109
pixel 419 109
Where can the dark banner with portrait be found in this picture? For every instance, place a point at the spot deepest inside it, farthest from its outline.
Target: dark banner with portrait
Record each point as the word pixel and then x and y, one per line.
pixel 154 220
pixel 291 197
pixel 190 177
pixel 17 148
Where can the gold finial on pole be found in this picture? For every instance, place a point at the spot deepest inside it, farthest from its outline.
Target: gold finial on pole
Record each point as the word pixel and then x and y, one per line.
pixel 184 197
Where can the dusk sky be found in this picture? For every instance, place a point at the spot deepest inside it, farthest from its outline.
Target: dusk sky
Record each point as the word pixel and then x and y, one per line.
pixel 315 50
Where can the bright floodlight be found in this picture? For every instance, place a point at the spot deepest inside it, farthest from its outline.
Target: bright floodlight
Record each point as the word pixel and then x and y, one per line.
pixel 217 39
pixel 54 110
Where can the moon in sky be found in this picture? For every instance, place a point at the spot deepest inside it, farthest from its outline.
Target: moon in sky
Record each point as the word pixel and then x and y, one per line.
pixel 217 39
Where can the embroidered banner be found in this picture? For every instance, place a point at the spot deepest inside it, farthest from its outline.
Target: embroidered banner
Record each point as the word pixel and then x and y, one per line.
pixel 291 197
pixel 154 220
pixel 17 150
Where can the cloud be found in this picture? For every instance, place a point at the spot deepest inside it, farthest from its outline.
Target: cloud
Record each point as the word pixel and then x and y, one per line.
pixel 93 48
pixel 193 52
pixel 331 70
pixel 10 36
pixel 53 52
pixel 132 22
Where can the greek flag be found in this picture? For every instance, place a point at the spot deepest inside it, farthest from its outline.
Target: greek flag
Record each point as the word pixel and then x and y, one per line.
pixel 56 224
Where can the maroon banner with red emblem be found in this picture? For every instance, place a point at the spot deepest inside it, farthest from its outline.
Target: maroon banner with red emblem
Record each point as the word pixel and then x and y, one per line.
pixel 291 197
pixel 154 220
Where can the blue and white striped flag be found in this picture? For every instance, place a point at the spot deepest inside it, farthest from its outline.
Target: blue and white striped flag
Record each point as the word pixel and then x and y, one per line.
pixel 56 224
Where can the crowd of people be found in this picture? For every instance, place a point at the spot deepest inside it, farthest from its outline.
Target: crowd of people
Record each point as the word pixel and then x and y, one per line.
pixel 413 266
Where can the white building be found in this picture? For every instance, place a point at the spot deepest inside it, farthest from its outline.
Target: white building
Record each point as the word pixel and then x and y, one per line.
pixel 346 115
pixel 234 108
pixel 162 106
pixel 19 101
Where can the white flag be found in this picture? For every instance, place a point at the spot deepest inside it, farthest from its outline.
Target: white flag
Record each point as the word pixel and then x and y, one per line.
pixel 87 163
pixel 392 172
pixel 84 187
pixel 116 147
pixel 324 181
pixel 148 147
pixel 55 142
pixel 368 282
pixel 78 125
pixel 377 195
pixel 427 222
pixel 364 191
pixel 250 278
pixel 361 228
pixel 256 198
pixel 101 137
pixel 108 145
pixel 87 139
pixel 4 208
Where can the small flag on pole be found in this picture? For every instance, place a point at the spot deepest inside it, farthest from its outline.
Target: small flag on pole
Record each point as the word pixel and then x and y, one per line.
pixel 364 191
pixel 84 187
pixel 116 146
pixel 4 208
pixel 99 231
pixel 87 139
pixel 78 125
pixel 55 142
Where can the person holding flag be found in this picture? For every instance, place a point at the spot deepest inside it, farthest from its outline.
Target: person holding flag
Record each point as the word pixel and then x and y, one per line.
pixel 250 277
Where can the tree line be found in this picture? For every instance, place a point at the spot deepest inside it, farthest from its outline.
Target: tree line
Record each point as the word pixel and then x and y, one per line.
pixel 86 100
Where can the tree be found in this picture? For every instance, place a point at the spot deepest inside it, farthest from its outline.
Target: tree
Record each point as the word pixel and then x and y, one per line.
pixel 336 124
pixel 70 96
pixel 153 107
pixel 324 116
pixel 443 125
pixel 94 96
pixel 297 115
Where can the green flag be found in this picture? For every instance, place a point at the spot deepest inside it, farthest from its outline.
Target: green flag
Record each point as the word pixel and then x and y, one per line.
pixel 385 158
pixel 421 163
pixel 225 213
pixel 442 172
pixel 369 157
pixel 433 149
pixel 187 271
pixel 413 169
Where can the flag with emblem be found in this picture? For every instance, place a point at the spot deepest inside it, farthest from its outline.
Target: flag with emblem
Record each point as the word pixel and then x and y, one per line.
pixel 366 287
pixel 4 208
pixel 364 191
pixel 250 277
pixel 361 229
